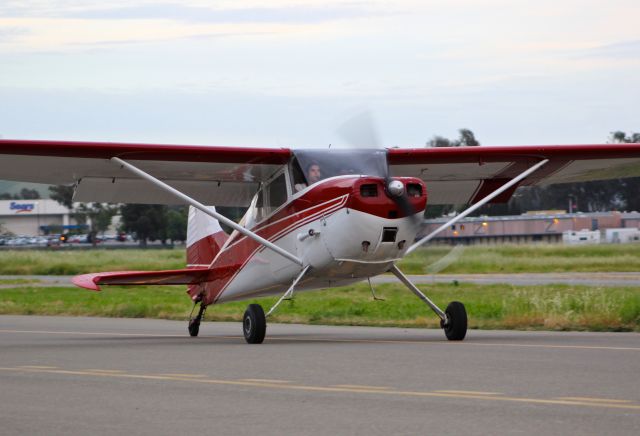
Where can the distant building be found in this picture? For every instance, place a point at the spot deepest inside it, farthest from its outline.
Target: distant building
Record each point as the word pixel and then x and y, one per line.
pixel 580 237
pixel 622 236
pixel 35 217
pixel 548 226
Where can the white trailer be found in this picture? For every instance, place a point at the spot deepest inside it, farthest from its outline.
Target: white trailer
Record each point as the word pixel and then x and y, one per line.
pixel 584 236
pixel 622 236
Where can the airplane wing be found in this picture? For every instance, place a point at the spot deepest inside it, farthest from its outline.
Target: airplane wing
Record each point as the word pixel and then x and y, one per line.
pixel 224 176
pixel 464 175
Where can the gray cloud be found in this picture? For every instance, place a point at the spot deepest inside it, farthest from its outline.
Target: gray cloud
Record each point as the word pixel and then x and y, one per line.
pixel 293 14
pixel 625 49
pixel 11 33
pixel 200 36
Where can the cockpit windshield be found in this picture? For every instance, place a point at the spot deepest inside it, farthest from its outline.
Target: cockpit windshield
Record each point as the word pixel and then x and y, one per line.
pixel 314 165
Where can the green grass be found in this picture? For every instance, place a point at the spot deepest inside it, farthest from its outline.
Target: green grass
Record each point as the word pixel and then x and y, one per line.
pixel 5 282
pixel 474 259
pixel 541 258
pixel 553 307
pixel 69 262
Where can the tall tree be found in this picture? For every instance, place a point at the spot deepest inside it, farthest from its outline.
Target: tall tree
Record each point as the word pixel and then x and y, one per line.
pixel 96 215
pixel 29 194
pixel 177 223
pixel 63 194
pixel 439 141
pixel 148 222
pixel 621 137
pixel 466 139
pixel 629 188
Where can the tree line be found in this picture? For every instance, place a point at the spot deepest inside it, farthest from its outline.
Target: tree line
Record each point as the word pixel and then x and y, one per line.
pixel 24 194
pixel 146 222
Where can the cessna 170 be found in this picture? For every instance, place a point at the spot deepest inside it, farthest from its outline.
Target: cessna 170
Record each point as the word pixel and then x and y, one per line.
pixel 315 218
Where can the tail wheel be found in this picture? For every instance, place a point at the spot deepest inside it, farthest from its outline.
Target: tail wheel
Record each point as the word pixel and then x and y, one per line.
pixel 254 324
pixel 194 323
pixel 194 327
pixel 456 326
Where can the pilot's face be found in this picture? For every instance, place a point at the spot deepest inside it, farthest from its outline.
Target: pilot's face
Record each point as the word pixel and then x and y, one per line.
pixel 314 174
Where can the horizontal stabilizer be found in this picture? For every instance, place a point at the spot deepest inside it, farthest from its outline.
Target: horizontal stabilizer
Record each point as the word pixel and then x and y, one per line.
pixel 172 277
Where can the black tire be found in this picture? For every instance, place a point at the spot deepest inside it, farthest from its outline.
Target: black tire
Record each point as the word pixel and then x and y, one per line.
pixel 254 324
pixel 456 328
pixel 194 327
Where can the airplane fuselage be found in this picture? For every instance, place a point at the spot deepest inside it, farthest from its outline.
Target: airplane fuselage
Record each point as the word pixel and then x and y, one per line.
pixel 346 228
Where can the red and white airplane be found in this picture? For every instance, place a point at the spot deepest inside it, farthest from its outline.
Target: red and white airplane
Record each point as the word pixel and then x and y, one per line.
pixel 315 219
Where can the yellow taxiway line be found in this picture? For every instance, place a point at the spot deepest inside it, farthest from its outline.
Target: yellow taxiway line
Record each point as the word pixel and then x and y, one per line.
pixel 468 392
pixel 263 380
pixel 594 400
pixel 363 387
pixel 372 390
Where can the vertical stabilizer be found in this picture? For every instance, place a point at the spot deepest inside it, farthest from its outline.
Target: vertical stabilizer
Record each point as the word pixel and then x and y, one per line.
pixel 205 238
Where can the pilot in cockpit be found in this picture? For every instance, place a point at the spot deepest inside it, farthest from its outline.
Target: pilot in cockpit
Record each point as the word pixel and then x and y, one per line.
pixel 313 174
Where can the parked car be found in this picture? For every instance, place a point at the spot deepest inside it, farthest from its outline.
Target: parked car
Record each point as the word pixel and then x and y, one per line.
pixel 78 239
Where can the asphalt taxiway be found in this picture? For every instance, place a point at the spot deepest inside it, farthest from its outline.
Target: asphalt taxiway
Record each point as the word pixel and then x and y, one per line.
pixel 106 376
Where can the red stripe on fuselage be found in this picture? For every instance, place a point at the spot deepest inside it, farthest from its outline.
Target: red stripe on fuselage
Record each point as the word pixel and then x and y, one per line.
pixel 238 254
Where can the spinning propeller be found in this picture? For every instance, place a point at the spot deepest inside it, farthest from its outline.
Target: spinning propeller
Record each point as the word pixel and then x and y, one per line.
pixel 360 133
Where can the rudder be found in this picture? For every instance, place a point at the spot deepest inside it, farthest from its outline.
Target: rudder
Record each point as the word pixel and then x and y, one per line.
pixel 205 238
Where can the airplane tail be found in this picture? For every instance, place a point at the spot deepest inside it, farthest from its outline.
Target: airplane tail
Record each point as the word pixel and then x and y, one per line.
pixel 205 238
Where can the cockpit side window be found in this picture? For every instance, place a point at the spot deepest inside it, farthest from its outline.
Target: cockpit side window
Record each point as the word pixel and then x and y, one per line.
pixel 296 172
pixel 277 192
pixel 269 198
pixel 259 208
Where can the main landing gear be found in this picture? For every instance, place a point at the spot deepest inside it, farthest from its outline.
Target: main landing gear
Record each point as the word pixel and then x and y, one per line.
pixel 453 320
pixel 254 324
pixel 254 321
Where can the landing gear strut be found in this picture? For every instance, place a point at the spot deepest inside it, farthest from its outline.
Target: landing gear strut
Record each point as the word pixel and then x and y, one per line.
pixel 453 320
pixel 194 323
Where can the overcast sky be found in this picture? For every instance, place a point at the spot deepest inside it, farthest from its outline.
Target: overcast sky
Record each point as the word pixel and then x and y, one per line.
pixel 289 73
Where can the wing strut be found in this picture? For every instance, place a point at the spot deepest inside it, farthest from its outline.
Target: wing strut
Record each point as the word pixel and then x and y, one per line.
pixel 479 204
pixel 206 210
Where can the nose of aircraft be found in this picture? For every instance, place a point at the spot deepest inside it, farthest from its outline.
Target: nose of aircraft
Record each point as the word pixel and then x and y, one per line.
pixel 396 198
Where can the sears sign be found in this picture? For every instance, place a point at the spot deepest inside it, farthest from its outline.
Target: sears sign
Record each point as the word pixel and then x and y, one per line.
pixel 22 207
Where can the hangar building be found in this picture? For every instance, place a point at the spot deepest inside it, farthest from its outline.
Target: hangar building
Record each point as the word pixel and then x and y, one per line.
pixel 543 226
